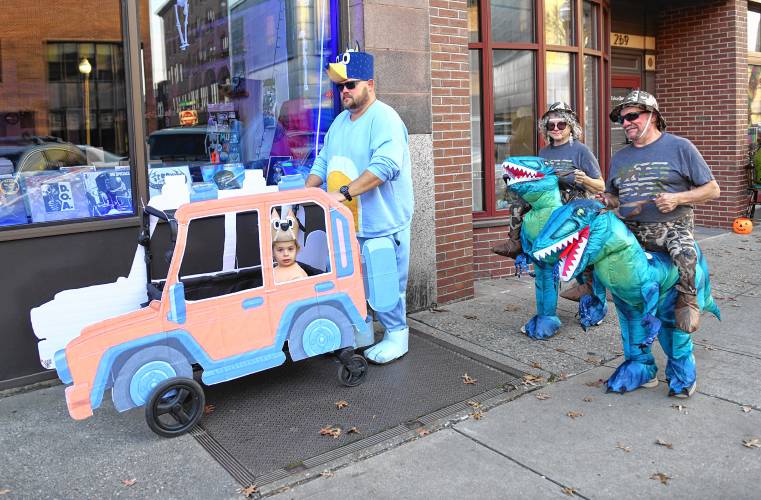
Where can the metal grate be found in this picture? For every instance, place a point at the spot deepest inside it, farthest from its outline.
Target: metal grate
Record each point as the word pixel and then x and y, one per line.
pixel 267 426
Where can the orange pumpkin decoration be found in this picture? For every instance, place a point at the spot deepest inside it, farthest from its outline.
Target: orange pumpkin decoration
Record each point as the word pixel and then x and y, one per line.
pixel 742 225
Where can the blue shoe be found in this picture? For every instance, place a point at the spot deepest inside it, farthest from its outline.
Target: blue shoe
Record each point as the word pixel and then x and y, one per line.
pixel 393 346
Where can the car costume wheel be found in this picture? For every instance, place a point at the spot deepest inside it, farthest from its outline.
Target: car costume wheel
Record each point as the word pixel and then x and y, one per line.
pixel 319 330
pixel 174 406
pixel 142 371
pixel 353 372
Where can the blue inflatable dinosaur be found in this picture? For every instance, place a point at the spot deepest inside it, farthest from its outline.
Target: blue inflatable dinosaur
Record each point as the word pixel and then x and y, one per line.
pixel 583 233
pixel 534 180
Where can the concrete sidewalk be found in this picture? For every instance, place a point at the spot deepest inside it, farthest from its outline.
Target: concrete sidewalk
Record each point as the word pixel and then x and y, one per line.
pixel 562 436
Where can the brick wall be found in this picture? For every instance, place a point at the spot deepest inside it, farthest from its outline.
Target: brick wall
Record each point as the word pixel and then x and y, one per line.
pixel 701 86
pixel 450 116
pixel 486 264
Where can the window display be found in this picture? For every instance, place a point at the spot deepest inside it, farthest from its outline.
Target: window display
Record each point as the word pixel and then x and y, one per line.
pixel 237 85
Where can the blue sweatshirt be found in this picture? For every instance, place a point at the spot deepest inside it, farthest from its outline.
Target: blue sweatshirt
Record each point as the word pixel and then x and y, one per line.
pixel 376 142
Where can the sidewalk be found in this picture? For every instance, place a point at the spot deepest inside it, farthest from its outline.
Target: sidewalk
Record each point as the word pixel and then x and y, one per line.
pixel 527 447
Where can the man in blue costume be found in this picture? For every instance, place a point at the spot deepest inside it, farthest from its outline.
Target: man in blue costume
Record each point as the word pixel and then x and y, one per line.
pixel 654 182
pixel 365 161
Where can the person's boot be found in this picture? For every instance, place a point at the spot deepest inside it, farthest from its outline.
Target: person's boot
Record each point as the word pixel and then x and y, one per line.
pixel 687 312
pixel 577 291
pixel 511 247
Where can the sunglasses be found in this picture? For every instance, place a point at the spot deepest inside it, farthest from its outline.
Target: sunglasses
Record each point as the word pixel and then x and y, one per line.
pixel 558 125
pixel 630 117
pixel 349 85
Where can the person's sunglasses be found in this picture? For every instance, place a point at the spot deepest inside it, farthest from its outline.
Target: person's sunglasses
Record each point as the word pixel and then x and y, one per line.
pixel 349 85
pixel 630 117
pixel 558 125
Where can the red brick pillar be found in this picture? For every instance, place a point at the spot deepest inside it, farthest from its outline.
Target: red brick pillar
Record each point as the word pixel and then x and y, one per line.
pixel 701 87
pixel 450 113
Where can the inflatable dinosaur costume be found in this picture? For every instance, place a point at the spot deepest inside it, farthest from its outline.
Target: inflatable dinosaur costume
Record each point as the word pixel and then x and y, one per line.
pixel 534 180
pixel 583 233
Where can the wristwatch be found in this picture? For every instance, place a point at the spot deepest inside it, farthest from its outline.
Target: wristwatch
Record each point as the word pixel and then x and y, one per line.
pixel 344 190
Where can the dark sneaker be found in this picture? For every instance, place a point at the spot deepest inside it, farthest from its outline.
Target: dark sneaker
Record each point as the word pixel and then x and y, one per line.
pixel 686 393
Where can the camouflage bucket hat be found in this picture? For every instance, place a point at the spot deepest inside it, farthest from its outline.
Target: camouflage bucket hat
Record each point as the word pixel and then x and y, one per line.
pixel 640 99
pixel 560 107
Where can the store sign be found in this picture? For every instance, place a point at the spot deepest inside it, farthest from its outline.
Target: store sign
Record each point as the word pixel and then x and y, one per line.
pixel 188 117
pixel 627 41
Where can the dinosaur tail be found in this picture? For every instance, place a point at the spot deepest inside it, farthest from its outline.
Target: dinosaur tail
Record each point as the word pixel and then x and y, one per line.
pixel 708 303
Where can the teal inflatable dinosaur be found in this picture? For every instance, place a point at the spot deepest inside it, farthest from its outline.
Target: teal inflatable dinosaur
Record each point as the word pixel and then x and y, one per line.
pixel 534 180
pixel 583 233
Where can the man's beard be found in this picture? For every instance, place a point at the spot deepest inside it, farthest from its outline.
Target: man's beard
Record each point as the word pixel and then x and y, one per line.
pixel 357 102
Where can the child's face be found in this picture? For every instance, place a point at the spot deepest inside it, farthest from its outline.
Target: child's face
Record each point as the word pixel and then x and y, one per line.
pixel 285 252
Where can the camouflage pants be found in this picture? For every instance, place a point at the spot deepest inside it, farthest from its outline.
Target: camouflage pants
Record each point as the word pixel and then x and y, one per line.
pixel 517 208
pixel 675 238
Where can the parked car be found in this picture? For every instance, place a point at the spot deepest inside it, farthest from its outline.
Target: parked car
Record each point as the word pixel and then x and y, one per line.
pixel 30 154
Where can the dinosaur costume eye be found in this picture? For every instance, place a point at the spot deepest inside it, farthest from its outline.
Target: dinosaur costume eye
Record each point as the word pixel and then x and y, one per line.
pixel 580 212
pixel 346 58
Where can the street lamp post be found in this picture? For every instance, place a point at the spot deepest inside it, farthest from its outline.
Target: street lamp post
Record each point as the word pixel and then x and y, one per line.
pixel 85 68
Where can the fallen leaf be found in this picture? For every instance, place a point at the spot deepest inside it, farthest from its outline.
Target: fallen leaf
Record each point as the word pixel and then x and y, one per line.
pixel 422 431
pixel 341 404
pixel 474 404
pixel 532 380
pixel 541 396
pixel 331 431
pixel 477 415
pixel 469 316
pixel 327 473
pixel 512 307
pixel 588 399
pixel 660 476
pixel 626 449
pixel 709 348
pixel 353 430
pixel 467 379
pixel 248 491
pixel 562 376
pixel 594 360
pixel 752 443
pixel 746 408
pixel 128 482
pixel 663 443
pixel 574 414
pixel 679 408
pixel 596 383
pixel 208 409
pixel 559 349
pixel 536 365
pixel 439 310
pixel 569 491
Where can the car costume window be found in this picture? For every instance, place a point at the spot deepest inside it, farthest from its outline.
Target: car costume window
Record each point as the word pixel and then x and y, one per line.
pixel 222 255
pixel 313 254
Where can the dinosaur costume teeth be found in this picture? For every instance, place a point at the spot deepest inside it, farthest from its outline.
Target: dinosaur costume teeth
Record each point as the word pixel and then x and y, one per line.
pixel 571 248
pixel 514 173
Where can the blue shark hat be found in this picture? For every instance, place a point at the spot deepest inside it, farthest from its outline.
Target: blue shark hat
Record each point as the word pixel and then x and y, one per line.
pixel 351 65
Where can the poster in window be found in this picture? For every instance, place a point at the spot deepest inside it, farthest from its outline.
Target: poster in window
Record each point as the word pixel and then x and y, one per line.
pixel 12 210
pixel 157 175
pixel 56 196
pixel 109 192
pixel 224 176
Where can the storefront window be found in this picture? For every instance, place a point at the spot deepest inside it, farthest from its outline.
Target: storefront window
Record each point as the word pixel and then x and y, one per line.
pixel 64 144
pixel 476 130
pixel 514 118
pixel 590 26
pixel 560 77
pixel 591 102
pixel 558 22
pixel 512 20
pixel 520 75
pixel 474 20
pixel 237 85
